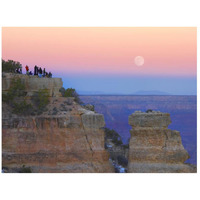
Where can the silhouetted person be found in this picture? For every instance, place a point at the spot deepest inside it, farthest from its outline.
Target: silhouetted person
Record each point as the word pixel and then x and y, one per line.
pixel 27 69
pixel 50 75
pixel 35 70
pixel 20 70
pixel 44 72
pixel 40 72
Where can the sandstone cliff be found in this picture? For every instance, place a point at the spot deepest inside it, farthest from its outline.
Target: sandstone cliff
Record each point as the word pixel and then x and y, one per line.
pixel 65 138
pixel 33 84
pixel 155 148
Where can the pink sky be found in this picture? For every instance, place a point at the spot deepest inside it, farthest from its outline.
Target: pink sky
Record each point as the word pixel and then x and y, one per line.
pixel 101 50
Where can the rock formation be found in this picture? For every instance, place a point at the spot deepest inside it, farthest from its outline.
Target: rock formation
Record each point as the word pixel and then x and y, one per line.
pixel 33 83
pixel 155 148
pixel 65 138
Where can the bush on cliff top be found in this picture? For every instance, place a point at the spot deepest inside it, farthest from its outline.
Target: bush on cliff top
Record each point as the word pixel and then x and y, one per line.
pixel 10 66
pixel 70 92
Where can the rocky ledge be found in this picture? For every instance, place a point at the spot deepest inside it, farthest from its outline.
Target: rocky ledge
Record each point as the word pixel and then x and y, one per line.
pixel 33 83
pixel 64 138
pixel 70 141
pixel 155 148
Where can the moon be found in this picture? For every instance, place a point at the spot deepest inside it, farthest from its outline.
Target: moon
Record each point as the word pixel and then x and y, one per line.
pixel 139 60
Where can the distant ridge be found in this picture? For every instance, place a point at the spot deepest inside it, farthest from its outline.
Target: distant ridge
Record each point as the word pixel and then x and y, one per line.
pixel 90 92
pixel 140 92
pixel 152 92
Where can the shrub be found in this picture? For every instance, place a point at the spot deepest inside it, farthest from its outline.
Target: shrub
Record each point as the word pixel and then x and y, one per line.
pixel 114 136
pixel 62 91
pixel 41 99
pixel 149 110
pixel 55 111
pixel 117 141
pixel 69 103
pixel 15 93
pixel 70 92
pixel 89 107
pixel 126 146
pixel 122 160
pixel 16 90
pixel 25 169
pixel 10 66
pixel 22 108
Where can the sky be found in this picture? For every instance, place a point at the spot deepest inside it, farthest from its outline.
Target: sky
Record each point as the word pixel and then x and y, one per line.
pixel 102 59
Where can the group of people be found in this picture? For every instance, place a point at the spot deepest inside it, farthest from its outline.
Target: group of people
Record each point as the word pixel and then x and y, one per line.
pixel 18 70
pixel 38 72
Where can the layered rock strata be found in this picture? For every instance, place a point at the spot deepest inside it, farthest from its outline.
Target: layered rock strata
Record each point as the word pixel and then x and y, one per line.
pixel 155 148
pixel 65 138
pixel 70 141
pixel 33 83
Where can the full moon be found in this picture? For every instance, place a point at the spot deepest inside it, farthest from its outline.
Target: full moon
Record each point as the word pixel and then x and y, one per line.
pixel 139 60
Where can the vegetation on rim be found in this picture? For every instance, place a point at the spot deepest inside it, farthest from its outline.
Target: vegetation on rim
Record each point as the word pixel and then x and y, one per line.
pixel 10 66
pixel 71 92
pixel 16 99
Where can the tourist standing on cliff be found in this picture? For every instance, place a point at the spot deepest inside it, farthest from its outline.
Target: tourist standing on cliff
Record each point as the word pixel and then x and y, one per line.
pixel 44 72
pixel 27 69
pixel 40 72
pixel 35 71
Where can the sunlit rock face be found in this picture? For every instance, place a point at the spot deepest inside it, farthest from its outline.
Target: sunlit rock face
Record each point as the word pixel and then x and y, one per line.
pixel 34 83
pixel 68 140
pixel 153 147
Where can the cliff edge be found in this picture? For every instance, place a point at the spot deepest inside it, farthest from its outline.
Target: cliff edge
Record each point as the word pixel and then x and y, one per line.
pixel 64 138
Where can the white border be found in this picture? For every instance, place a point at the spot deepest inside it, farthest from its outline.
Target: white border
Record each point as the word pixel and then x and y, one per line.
pixel 101 13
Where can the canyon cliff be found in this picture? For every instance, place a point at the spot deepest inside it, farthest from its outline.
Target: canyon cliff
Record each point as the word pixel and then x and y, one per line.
pixel 68 137
pixel 155 148
pixel 65 138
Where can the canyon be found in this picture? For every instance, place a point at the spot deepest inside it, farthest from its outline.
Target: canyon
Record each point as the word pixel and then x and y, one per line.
pixel 70 138
pixel 182 109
